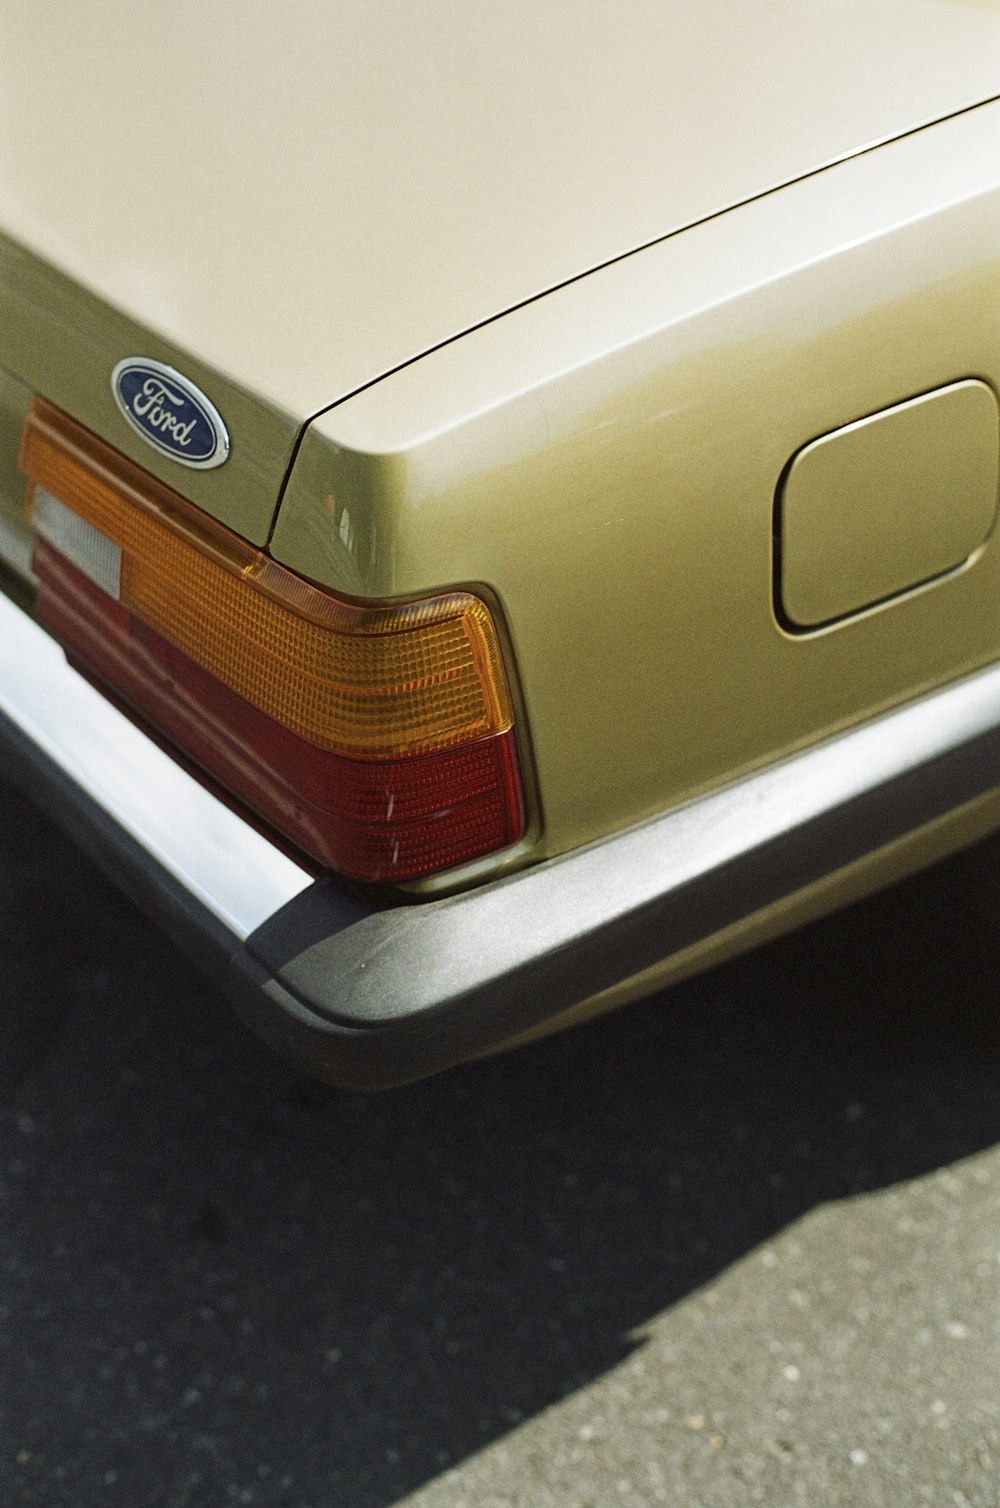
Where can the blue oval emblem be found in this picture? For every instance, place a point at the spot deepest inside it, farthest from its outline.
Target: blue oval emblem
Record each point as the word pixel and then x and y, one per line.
pixel 169 412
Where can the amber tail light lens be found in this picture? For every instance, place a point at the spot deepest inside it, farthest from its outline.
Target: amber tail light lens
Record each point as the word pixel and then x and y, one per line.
pixel 379 739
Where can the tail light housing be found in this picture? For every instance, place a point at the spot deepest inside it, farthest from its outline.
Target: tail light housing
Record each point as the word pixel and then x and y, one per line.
pixel 378 739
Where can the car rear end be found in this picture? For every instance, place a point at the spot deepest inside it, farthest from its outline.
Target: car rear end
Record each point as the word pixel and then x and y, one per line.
pixel 529 650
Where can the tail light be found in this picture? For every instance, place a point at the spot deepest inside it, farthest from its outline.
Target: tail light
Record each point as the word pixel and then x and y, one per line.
pixel 379 739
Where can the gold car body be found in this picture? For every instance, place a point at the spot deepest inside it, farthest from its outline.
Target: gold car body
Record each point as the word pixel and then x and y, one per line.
pixel 670 329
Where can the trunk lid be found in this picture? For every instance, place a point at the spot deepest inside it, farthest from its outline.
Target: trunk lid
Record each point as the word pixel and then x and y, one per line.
pixel 288 210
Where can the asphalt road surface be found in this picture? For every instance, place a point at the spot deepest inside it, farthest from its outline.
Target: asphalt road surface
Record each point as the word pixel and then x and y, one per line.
pixel 737 1244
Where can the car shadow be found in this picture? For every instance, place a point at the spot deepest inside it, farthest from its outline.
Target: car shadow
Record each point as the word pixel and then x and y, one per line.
pixel 220 1279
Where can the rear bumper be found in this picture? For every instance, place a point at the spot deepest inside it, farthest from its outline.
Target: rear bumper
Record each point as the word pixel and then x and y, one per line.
pixel 370 994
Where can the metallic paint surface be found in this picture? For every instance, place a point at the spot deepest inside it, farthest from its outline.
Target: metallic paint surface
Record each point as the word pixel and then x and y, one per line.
pixel 63 343
pixel 606 461
pixel 307 195
pixel 888 502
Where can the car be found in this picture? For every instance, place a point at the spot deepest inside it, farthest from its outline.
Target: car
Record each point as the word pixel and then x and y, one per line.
pixel 498 504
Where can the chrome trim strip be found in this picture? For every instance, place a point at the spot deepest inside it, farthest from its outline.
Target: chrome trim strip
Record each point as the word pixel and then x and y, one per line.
pixel 232 869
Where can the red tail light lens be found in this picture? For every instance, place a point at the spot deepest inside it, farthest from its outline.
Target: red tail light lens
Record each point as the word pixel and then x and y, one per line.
pixel 379 739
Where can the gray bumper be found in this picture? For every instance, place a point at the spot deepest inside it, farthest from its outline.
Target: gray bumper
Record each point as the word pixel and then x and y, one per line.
pixel 367 993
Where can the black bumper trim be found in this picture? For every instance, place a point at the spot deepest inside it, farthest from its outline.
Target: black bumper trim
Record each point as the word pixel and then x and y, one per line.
pixel 431 985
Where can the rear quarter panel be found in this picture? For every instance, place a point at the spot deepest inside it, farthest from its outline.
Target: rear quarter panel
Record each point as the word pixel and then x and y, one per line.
pixel 605 462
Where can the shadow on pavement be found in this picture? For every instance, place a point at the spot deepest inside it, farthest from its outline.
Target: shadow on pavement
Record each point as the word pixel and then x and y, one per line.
pixel 221 1283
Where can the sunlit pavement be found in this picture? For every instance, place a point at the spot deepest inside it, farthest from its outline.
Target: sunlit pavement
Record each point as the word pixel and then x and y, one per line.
pixel 737 1244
